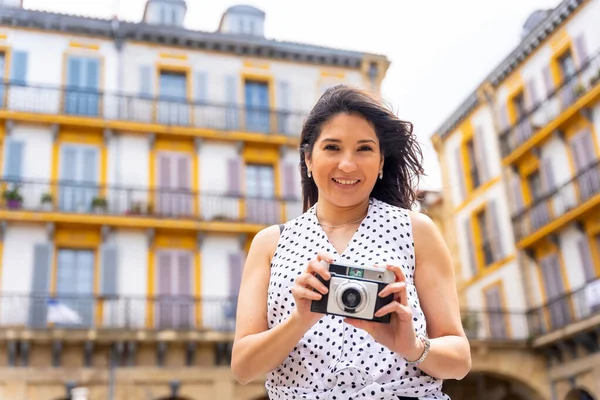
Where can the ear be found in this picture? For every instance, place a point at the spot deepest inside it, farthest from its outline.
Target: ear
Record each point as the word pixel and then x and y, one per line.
pixel 307 160
pixel 381 163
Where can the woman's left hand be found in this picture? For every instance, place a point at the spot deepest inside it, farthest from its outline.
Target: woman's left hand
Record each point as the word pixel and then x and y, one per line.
pixel 399 335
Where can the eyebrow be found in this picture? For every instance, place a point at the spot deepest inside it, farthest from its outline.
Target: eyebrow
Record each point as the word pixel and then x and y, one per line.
pixel 339 141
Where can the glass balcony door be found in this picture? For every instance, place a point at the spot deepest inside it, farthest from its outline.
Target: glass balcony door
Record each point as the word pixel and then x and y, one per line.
pixel 257 106
pixel 82 95
pixel 78 178
pixel 74 304
pixel 174 197
pixel 173 108
pixel 261 205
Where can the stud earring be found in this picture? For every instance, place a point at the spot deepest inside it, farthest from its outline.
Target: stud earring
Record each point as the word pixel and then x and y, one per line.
pixel 380 174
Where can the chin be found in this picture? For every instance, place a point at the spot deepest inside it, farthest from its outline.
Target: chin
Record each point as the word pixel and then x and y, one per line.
pixel 346 199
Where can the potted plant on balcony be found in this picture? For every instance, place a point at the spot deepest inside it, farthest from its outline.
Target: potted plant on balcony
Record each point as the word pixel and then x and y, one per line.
pixel 13 198
pixel 99 205
pixel 136 209
pixel 46 201
pixel 579 90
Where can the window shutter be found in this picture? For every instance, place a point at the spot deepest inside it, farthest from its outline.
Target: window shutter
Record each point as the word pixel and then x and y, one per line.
pixel 580 48
pixel 110 270
pixel 470 247
pixel 481 155
pixel 184 278
pixel 165 274
pixel 201 87
pixel 283 105
pixel 40 285
pixel 548 175
pixel 146 81
pixel 460 174
pixel 14 159
pixel 289 180
pixel 494 233
pixel 585 255
pixel 235 273
pixel 231 98
pixel 548 81
pixel 234 181
pixel 503 121
pixel 531 96
pixel 517 192
pixel 20 61
pixel 496 317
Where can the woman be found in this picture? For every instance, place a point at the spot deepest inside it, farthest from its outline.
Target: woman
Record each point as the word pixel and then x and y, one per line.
pixel 357 162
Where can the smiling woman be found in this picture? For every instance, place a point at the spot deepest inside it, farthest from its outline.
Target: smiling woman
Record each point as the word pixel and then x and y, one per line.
pixel 359 163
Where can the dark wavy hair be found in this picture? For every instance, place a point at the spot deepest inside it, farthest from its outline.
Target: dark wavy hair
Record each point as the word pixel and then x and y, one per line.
pixel 402 154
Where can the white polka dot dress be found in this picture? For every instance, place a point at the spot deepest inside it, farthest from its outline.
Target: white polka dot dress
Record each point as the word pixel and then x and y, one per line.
pixel 334 360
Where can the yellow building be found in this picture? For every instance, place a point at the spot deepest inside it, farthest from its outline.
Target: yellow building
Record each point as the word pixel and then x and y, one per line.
pixel 137 162
pixel 520 173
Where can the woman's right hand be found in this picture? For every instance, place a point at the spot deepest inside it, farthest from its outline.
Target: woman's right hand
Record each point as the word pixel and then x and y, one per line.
pixel 303 289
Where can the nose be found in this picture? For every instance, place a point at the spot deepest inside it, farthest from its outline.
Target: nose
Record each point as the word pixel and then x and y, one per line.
pixel 347 164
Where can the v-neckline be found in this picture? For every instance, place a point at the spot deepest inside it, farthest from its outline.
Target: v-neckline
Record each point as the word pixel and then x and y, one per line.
pixel 352 238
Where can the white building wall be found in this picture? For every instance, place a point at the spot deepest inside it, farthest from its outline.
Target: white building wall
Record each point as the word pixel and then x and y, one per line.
pixel 569 238
pixel 596 119
pixel 586 22
pixel 213 158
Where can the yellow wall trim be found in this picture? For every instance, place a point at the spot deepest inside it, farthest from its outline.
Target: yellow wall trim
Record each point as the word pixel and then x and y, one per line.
pixel 86 46
pixel 333 74
pixel 173 56
pixel 256 64
pixel 76 237
pixel 175 240
pixel 486 271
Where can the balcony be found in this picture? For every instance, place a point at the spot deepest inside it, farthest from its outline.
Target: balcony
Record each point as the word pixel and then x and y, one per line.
pixel 141 207
pixel 554 210
pixel 567 315
pixel 495 325
pixel 551 113
pixel 74 106
pixel 79 314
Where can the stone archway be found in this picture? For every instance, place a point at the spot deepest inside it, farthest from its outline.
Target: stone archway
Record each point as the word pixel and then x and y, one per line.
pixel 579 394
pixel 484 386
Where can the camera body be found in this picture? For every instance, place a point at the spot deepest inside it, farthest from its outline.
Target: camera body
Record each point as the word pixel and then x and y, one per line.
pixel 354 292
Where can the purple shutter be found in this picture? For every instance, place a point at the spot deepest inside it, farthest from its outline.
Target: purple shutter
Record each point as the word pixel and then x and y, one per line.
pixel 164 276
pixel 163 195
pixel 235 273
pixel 587 146
pixel 580 48
pixel 531 96
pixel 548 175
pixel 585 255
pixel 493 226
pixel 480 154
pixel 577 152
pixel 548 81
pixel 493 300
pixel 517 193
pixel 461 174
pixel 289 180
pixel 234 181
pixel 184 275
pixel 470 247
pixel 183 203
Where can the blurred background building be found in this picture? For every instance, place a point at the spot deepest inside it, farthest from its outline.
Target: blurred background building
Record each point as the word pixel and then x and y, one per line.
pixel 138 161
pixel 521 180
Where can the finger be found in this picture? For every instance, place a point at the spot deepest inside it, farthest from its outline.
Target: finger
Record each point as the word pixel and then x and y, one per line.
pixel 317 267
pixel 310 281
pixel 322 256
pixel 361 324
pixel 393 307
pixel 397 271
pixel 398 288
pixel 300 292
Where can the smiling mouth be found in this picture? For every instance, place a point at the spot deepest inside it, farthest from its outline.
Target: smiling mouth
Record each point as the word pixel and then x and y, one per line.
pixel 346 182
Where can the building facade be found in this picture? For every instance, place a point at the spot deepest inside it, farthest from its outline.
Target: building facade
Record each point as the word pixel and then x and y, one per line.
pixel 138 161
pixel 520 169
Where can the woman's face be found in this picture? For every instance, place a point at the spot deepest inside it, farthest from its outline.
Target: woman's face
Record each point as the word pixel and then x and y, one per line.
pixel 346 160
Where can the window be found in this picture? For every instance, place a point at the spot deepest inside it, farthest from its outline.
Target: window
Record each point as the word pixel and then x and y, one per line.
pixel 79 175
pixel 174 289
pixel 519 105
pixel 475 179
pixel 174 197
pixel 261 205
pixel 486 241
pixel 173 108
pixel 567 65
pixel 257 106
pixel 534 180
pixel 496 322
pixel 75 286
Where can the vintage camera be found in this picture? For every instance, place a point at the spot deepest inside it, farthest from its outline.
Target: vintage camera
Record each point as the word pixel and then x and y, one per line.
pixel 354 292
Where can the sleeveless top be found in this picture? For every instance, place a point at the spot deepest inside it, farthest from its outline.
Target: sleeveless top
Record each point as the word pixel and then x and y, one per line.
pixel 334 360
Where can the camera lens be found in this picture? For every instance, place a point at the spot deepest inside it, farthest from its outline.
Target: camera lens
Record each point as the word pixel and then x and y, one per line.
pixel 351 298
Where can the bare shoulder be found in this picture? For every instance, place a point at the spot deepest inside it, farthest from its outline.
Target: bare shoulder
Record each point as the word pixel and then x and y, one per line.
pixel 429 242
pixel 423 226
pixel 265 241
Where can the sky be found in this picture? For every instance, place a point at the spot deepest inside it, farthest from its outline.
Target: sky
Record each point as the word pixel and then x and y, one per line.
pixel 440 50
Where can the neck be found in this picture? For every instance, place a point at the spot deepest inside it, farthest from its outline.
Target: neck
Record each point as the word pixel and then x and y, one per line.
pixel 332 215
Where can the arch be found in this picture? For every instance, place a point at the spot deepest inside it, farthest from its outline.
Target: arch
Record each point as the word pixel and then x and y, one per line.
pixel 579 394
pixel 488 386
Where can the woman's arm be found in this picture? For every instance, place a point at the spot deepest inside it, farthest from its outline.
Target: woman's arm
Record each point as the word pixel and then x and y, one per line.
pixel 449 355
pixel 258 350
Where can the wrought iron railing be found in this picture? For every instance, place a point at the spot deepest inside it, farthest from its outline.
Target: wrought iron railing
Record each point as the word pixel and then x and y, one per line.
pixel 82 198
pixel 495 325
pixel 566 309
pixel 175 112
pixel 558 202
pixel 68 311
pixel 548 109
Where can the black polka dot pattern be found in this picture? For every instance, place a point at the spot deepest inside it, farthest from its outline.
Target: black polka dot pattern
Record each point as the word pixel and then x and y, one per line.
pixel 334 360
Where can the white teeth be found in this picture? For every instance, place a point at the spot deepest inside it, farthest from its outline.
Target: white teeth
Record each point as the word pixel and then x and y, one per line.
pixel 345 182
